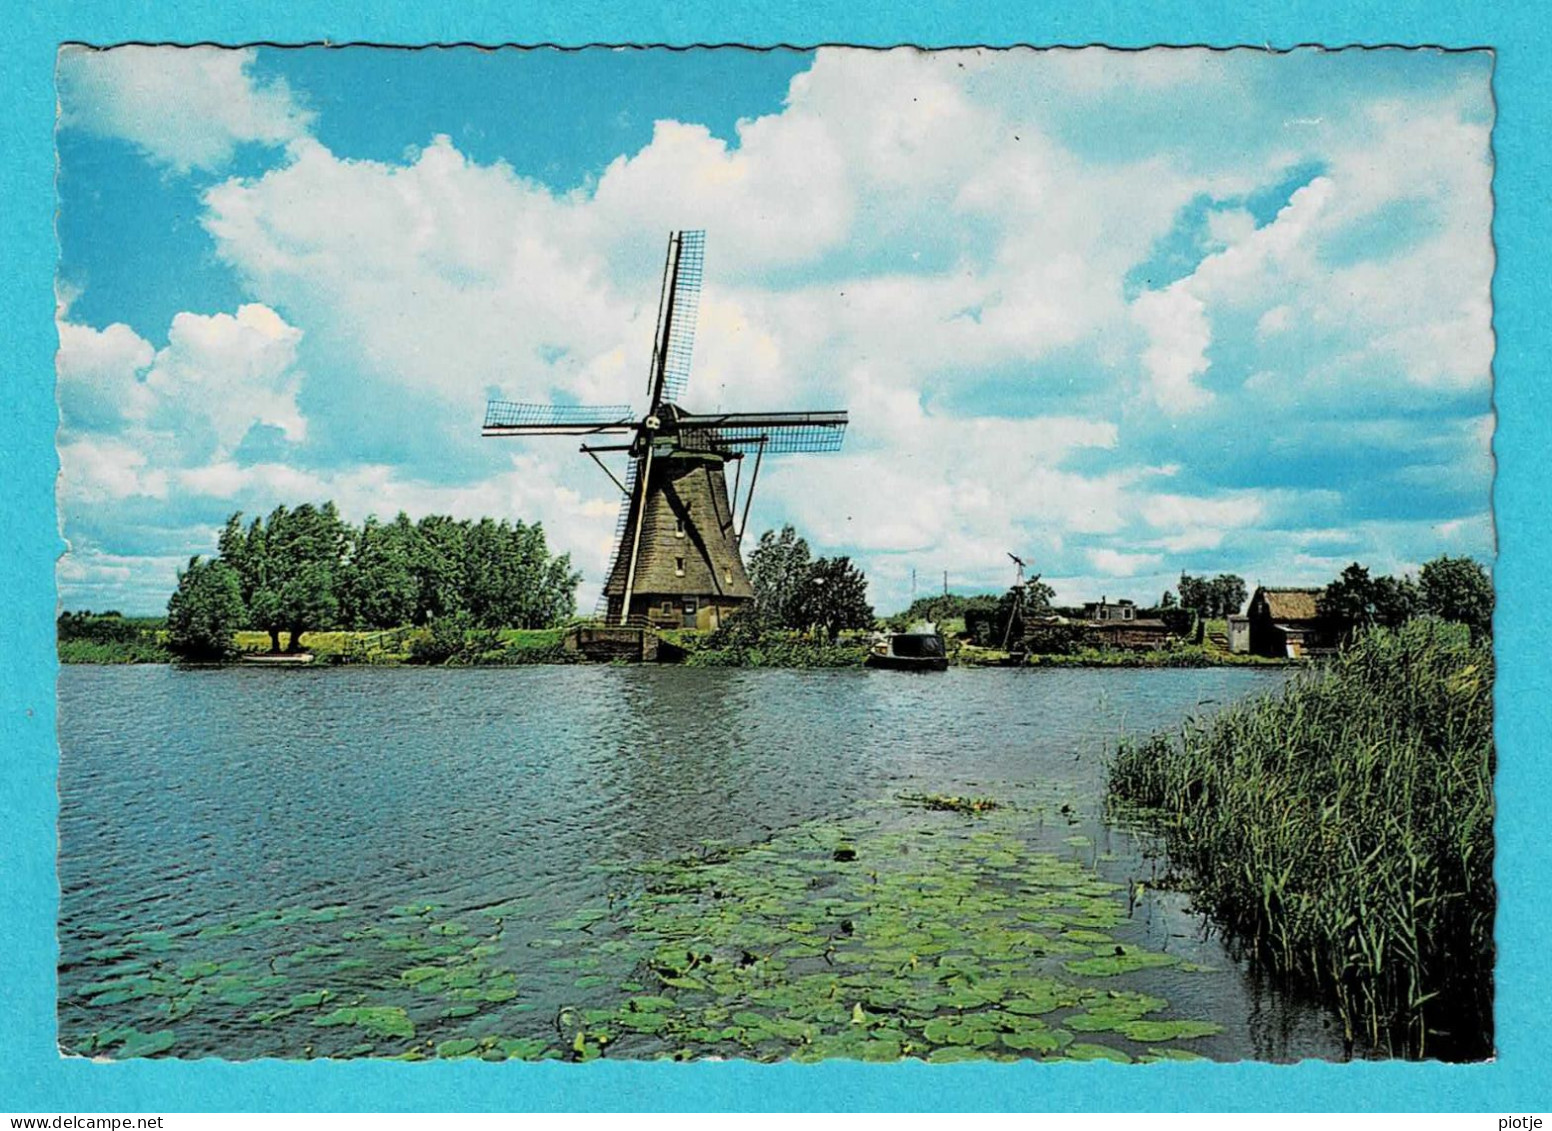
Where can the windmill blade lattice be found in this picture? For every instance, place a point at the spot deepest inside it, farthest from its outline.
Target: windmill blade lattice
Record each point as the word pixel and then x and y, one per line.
pixel 776 433
pixel 683 314
pixel 579 419
pixel 621 525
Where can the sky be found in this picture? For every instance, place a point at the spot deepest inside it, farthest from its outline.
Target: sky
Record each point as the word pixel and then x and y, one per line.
pixel 1124 314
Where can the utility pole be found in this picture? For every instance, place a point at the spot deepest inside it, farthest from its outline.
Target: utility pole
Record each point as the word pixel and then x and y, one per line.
pixel 945 583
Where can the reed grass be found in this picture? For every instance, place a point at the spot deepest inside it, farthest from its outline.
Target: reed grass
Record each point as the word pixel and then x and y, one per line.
pixel 145 650
pixel 1343 827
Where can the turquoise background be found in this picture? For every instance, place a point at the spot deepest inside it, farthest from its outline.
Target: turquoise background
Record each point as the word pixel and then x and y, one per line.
pixel 34 1078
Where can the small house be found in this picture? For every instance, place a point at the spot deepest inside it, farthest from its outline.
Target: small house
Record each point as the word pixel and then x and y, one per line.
pixel 1104 610
pixel 1287 623
pixel 1116 625
pixel 1239 633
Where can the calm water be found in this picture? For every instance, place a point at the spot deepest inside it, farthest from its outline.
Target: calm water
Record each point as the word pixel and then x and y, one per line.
pixel 191 798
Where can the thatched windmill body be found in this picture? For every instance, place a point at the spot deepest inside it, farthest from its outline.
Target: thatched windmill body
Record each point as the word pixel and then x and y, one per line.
pixel 676 557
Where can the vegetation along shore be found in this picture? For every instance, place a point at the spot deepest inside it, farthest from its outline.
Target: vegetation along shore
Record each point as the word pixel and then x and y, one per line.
pixel 1343 829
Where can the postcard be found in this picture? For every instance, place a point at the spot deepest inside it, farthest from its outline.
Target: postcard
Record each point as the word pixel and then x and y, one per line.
pixel 829 555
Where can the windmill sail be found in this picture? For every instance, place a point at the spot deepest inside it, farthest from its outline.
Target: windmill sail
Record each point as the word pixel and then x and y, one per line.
pixel 683 310
pixel 621 526
pixel 774 432
pixel 510 417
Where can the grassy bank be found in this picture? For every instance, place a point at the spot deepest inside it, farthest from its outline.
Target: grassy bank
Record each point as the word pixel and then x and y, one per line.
pixel 461 645
pixel 148 650
pixel 110 638
pixel 491 647
pixel 1344 829
pixel 1181 656
pixel 779 653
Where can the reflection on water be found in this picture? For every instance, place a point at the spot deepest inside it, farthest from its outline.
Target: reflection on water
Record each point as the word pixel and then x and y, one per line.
pixel 190 798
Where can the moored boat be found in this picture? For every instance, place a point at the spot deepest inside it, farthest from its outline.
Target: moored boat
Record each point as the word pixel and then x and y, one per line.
pixel 919 650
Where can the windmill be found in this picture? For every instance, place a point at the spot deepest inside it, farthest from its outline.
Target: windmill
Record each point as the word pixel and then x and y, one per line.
pixel 1016 609
pixel 676 556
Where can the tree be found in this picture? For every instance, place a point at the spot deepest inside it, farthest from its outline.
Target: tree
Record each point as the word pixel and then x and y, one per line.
pixel 835 597
pixel 438 566
pixel 1355 600
pixel 377 587
pixel 509 578
pixel 289 566
pixel 779 570
pixel 1195 593
pixel 204 611
pixel 1168 600
pixel 1395 600
pixel 1037 596
pixel 940 607
pixel 1348 601
pixel 1227 594
pixel 1220 596
pixel 1458 589
pixel 304 569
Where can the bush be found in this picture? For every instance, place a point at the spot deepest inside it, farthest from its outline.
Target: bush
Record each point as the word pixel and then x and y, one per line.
pixel 778 652
pixel 98 628
pixel 453 640
pixel 1055 639
pixel 1344 828
pixel 110 638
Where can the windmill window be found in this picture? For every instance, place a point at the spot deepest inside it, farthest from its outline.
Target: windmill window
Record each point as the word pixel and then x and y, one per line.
pixel 668 608
pixel 678 567
pixel 678 528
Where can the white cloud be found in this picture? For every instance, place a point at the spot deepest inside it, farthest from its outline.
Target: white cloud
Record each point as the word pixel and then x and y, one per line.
pixel 187 108
pixel 906 232
pixel 94 471
pixel 1114 563
pixel 99 373
pixel 1175 321
pixel 228 373
pixel 143 425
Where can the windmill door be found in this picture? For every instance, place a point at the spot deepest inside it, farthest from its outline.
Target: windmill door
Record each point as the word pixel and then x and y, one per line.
pixel 690 609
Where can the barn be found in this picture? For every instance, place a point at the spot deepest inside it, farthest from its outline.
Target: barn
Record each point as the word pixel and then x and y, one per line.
pixel 1287 623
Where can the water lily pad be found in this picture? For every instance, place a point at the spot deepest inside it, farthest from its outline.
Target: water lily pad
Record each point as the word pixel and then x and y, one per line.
pixel 1104 966
pixel 136 1043
pixel 526 1048
pixel 380 1020
pixel 1148 1032
pixel 1082 1051
pixel 1172 1054
pixel 880 1049
pixel 950 1054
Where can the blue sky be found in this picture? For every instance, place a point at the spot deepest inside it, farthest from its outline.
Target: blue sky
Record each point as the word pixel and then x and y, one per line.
pixel 1122 313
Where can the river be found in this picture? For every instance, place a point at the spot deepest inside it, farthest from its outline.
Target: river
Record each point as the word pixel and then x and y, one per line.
pixel 244 852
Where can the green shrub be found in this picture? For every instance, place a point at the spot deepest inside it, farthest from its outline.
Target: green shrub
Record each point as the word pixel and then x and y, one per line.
pixel 453 640
pixel 110 638
pixel 1344 828
pixel 779 653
